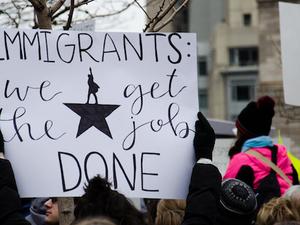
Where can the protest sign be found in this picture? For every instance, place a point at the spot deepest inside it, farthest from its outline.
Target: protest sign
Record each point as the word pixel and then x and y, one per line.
pixel 76 104
pixel 290 51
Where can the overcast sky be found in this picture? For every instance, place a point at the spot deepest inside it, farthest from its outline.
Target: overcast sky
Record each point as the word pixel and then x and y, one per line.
pixel 131 20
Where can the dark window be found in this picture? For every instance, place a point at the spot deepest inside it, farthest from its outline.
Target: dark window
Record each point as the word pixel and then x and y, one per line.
pixel 247 19
pixel 242 92
pixel 202 64
pixel 243 56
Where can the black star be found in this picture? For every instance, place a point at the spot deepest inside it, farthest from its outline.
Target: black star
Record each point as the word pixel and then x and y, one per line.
pixel 92 115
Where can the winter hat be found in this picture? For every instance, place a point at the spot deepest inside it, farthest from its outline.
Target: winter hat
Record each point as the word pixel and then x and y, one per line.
pixel 37 211
pixel 237 203
pixel 237 197
pixel 256 118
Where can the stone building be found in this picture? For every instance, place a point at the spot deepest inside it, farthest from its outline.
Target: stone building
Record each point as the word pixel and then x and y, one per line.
pixel 287 118
pixel 239 58
pixel 234 45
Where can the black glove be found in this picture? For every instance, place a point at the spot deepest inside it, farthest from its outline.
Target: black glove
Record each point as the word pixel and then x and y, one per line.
pixel 204 140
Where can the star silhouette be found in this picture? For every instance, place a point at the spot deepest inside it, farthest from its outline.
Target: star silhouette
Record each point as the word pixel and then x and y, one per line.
pixel 92 115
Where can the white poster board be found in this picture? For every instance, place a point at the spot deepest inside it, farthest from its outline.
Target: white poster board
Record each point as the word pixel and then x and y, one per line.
pixel 290 51
pixel 77 104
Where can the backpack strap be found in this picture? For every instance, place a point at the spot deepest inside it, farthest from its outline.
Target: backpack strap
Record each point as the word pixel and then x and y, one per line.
pixel 269 163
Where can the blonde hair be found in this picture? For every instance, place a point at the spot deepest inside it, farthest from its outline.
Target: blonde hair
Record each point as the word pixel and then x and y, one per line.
pixel 277 210
pixel 170 212
pixel 293 194
pixel 94 221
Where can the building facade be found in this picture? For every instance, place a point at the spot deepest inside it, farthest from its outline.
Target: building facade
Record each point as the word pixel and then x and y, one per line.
pixel 287 118
pixel 234 46
pixel 239 59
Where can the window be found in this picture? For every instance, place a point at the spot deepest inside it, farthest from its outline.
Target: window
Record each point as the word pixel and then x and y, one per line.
pixel 243 56
pixel 203 101
pixel 202 65
pixel 242 91
pixel 247 19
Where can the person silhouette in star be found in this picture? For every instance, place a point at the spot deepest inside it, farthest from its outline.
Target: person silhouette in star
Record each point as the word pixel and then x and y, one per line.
pixel 93 87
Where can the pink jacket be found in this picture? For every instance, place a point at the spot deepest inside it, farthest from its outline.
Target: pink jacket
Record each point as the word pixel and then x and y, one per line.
pixel 259 168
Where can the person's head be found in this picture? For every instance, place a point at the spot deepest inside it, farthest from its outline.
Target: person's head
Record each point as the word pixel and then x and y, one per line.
pixel 253 121
pixel 52 214
pixel 288 223
pixel 151 209
pixel 37 211
pixel 100 200
pixel 277 210
pixel 237 203
pixel 170 212
pixel 95 221
pixel 293 194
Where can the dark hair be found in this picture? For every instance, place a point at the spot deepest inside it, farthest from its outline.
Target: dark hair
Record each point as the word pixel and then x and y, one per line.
pixel 100 200
pixel 151 205
pixel 237 146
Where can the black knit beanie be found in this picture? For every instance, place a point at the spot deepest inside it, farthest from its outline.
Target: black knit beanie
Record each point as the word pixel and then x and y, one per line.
pixel 256 118
pixel 237 203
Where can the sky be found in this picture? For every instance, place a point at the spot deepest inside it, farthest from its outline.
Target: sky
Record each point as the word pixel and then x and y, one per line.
pixel 131 20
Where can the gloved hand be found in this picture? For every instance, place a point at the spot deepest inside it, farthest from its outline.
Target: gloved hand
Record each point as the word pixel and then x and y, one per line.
pixel 204 140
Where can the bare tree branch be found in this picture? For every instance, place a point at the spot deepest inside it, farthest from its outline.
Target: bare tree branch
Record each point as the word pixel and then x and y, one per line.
pixel 161 8
pixel 141 7
pixel 95 15
pixel 171 17
pixel 158 22
pixel 15 12
pixel 56 6
pixel 163 14
pixel 67 8
pixel 10 17
pixel 68 25
pixel 37 4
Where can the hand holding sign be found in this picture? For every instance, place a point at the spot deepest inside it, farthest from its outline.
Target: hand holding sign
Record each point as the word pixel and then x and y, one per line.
pixel 204 140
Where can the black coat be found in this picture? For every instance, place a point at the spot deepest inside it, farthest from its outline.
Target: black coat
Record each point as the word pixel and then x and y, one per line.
pixel 10 204
pixel 203 197
pixel 203 200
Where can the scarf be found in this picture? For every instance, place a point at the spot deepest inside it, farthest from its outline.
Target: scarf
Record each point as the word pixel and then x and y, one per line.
pixel 261 141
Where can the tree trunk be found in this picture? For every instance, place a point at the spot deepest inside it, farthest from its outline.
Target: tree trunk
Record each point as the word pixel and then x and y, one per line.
pixel 42 14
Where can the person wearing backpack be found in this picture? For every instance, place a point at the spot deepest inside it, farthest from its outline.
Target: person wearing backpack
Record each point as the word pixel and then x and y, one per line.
pixel 254 158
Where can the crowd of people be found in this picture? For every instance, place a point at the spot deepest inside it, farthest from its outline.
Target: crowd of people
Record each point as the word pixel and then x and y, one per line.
pixel 260 185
